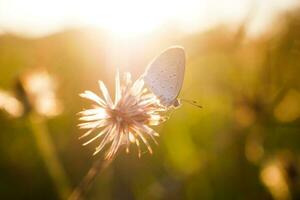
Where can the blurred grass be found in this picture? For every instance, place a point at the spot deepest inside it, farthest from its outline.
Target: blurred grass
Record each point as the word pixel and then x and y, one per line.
pixel 249 89
pixel 48 153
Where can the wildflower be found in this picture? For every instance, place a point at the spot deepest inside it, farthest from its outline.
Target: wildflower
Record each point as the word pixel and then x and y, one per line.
pixel 273 177
pixel 124 121
pixel 37 89
pixel 10 104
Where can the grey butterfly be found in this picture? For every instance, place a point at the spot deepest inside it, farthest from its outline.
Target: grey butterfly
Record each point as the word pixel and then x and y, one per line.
pixel 164 75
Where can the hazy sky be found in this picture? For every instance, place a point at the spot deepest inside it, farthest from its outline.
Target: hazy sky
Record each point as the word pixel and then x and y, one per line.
pixel 38 17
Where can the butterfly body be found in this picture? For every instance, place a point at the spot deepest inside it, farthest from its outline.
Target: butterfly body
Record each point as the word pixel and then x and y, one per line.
pixel 164 75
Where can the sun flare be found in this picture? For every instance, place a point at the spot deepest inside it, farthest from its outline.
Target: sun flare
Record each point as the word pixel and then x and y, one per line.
pixel 129 18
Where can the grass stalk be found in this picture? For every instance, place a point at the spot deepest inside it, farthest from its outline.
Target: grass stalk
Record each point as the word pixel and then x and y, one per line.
pixel 48 154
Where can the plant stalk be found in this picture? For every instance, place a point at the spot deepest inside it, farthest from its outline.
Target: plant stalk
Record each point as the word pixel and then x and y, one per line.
pixel 81 190
pixel 48 153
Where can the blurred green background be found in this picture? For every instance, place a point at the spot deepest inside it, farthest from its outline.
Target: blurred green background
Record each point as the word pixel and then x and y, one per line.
pixel 243 144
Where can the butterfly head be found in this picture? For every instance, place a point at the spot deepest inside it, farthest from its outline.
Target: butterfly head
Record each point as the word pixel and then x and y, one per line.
pixel 176 103
pixel 170 103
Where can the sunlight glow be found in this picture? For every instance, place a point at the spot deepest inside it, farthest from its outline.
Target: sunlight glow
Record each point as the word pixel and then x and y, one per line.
pixel 129 17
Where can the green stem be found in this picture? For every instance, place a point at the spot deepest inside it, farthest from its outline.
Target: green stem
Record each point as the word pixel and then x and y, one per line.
pixel 80 191
pixel 47 151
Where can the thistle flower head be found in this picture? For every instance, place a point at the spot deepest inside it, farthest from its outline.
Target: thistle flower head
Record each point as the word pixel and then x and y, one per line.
pixel 123 121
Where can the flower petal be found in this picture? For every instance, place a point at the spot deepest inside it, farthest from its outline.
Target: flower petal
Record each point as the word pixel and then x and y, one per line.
pixel 115 144
pixel 98 135
pixel 105 139
pixel 93 97
pixel 137 142
pixel 93 111
pixel 138 133
pixel 92 124
pixel 137 87
pixel 98 116
pixel 127 81
pixel 105 94
pixel 150 132
pixel 118 88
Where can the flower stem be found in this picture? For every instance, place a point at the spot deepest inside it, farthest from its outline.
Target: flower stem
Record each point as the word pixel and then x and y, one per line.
pixel 47 151
pixel 98 166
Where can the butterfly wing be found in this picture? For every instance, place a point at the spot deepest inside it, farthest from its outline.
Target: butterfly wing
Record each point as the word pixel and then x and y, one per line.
pixel 164 75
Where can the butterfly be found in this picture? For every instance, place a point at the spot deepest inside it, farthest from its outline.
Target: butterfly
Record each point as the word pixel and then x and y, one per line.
pixel 164 76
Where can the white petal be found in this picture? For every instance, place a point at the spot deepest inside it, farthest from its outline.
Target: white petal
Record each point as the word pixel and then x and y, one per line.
pixel 127 141
pixel 137 86
pixel 97 136
pixel 118 88
pixel 92 96
pixel 156 119
pixel 97 116
pixel 137 131
pixel 93 111
pixel 150 132
pixel 115 144
pixel 127 80
pixel 93 124
pixel 105 139
pixel 105 94
pixel 137 142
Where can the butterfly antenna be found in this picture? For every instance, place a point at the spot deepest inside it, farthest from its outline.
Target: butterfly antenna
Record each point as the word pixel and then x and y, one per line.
pixel 192 102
